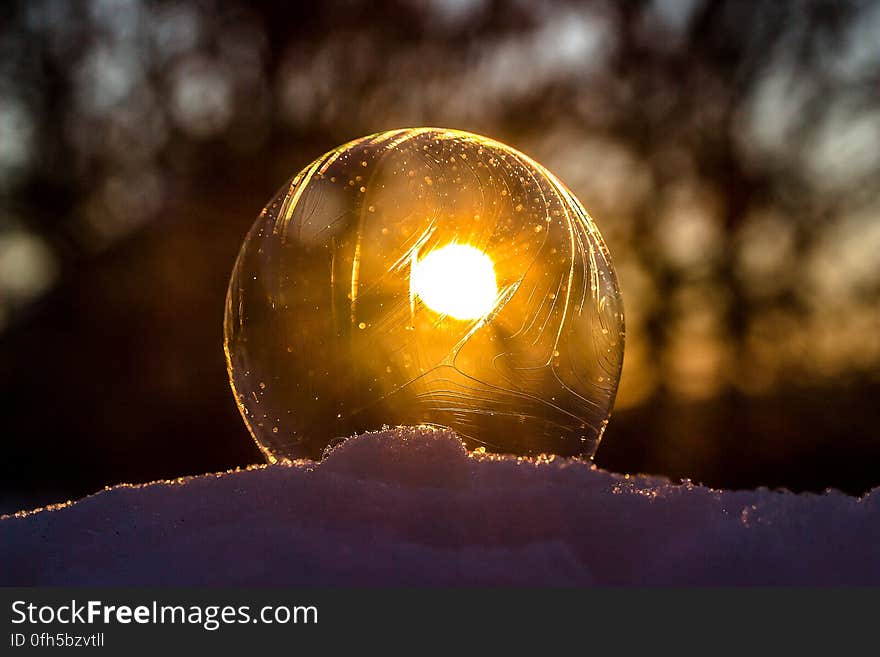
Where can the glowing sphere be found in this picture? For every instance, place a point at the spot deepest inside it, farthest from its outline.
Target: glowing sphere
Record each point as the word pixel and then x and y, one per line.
pixel 424 276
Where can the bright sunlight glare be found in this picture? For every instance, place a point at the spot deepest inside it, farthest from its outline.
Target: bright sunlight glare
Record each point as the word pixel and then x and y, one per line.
pixel 456 280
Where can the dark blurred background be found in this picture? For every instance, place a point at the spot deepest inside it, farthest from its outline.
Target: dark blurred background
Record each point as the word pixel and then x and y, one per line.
pixel 729 152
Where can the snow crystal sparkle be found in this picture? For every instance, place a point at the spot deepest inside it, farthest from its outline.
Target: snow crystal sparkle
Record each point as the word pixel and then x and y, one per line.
pixel 425 276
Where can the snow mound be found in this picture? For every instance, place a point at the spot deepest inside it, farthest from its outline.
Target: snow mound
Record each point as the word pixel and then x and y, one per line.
pixel 410 506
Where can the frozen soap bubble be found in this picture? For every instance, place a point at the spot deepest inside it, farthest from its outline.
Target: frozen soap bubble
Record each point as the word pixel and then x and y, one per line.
pixel 425 276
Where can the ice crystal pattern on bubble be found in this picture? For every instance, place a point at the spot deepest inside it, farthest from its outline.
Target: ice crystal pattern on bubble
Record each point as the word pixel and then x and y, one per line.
pixel 425 276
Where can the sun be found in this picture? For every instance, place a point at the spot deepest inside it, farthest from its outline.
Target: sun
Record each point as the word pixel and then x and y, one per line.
pixel 457 280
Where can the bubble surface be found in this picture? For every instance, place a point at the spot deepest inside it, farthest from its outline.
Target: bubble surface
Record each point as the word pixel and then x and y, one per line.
pixel 425 276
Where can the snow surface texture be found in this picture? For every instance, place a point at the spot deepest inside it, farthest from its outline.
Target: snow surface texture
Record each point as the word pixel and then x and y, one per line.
pixel 412 507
